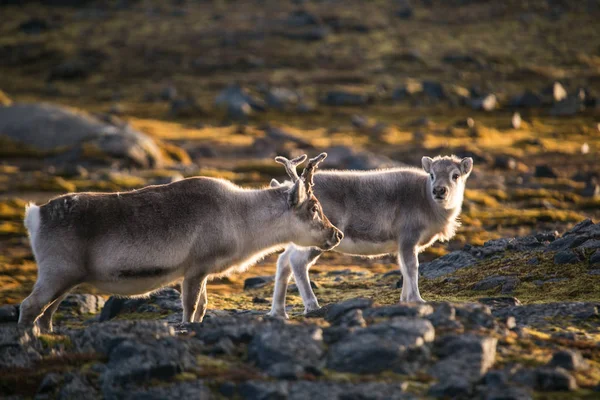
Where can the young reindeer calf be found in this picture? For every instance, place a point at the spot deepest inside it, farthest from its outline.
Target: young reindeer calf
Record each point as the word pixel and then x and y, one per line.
pixel 397 210
pixel 133 243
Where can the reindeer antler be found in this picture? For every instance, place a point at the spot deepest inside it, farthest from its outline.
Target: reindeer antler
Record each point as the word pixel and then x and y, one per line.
pixel 290 165
pixel 309 171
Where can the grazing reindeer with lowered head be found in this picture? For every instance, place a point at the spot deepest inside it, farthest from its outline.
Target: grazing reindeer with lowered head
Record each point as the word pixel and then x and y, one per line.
pixel 398 210
pixel 136 242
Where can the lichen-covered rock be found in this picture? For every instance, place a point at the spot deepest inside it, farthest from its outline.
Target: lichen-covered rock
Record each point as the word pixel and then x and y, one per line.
pixel 536 314
pixel 18 347
pixel 336 311
pixel 399 310
pixel 322 390
pixel 447 264
pixel 184 390
pixel 571 360
pixel 165 301
pixel 463 358
pixel 51 129
pixel 300 345
pixel 397 344
pixel 142 359
pixel 103 337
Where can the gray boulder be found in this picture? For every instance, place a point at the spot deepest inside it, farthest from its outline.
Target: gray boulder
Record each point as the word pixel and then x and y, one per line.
pixel 397 345
pixel 447 264
pixel 51 129
pixel 463 358
pixel 298 345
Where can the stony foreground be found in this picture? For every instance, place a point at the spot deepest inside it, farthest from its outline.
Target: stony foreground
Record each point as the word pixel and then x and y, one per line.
pixel 357 351
pixel 492 348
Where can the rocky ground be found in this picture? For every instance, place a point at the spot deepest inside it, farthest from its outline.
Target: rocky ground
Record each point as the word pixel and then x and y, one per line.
pixel 362 347
pixel 109 96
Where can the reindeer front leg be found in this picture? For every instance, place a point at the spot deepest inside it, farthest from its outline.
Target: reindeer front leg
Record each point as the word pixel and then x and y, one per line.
pixel 191 289
pixel 409 266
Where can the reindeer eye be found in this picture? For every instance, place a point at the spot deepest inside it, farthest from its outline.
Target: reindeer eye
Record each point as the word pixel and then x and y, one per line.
pixel 455 177
pixel 314 209
pixel 431 176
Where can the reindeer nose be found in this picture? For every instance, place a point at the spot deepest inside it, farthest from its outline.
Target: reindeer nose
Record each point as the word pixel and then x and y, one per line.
pixel 338 235
pixel 440 191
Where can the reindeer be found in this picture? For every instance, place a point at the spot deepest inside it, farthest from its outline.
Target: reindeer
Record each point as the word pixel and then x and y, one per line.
pixel 136 242
pixel 399 210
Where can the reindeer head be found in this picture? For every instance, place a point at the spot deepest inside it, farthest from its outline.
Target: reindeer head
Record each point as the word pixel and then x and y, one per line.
pixel 447 178
pixel 311 226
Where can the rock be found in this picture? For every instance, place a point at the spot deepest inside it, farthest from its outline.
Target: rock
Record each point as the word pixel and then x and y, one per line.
pixel 397 345
pixel 539 314
pixel 34 26
pixel 343 98
pixel 526 100
pixel 405 13
pixel 352 319
pixel 558 92
pixel 447 264
pixel 591 189
pixel 167 300
pixel 496 303
pixel 257 282
pixel 515 121
pixel 103 337
pixel 399 310
pixel 567 107
pixel 444 315
pixel 339 309
pixel 295 344
pixel 321 390
pixel 457 387
pixel 9 313
pixel 184 390
pixel 168 93
pixel 281 136
pixel 565 257
pixel 238 103
pixel 505 162
pixel 508 283
pixel 595 258
pixel 132 362
pixel 285 370
pixel 49 385
pixel 302 18
pixel 239 329
pixel 77 386
pixel 250 390
pixel 553 380
pixel 463 357
pixel 19 348
pixel 571 360
pixel 82 304
pixel 486 103
pixel 434 90
pixel 46 128
pixel 344 157
pixel 282 98
pixel 545 171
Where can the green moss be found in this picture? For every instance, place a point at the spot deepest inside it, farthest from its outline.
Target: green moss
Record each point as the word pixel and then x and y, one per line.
pixel 53 341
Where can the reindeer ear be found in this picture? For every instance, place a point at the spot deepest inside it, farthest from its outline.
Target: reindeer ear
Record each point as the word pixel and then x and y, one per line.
pixel 426 163
pixel 297 194
pixel 466 165
pixel 274 183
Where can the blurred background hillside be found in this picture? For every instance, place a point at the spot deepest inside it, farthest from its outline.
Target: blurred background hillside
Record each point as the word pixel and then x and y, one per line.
pixel 115 95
